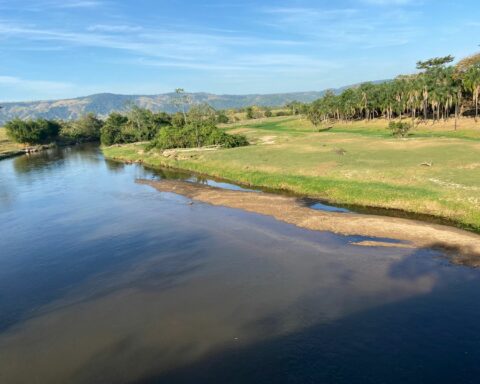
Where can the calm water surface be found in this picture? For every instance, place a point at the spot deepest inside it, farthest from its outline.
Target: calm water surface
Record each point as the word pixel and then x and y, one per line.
pixel 103 280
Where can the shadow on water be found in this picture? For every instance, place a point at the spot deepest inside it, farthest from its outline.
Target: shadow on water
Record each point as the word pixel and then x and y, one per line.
pixel 398 342
pixel 30 288
pixel 369 347
pixel 172 321
pixel 105 280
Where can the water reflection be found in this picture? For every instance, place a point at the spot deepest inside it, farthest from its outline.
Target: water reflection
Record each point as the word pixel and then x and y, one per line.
pixel 51 159
pixel 118 283
pixel 114 166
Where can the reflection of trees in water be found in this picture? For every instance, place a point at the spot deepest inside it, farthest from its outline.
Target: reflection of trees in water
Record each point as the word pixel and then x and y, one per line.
pixel 202 179
pixel 171 174
pixel 37 161
pixel 54 158
pixel 88 153
pixel 114 166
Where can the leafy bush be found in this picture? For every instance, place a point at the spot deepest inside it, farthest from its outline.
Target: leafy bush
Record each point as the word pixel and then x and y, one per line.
pixel 399 128
pixel 161 118
pixel 268 113
pixel 111 132
pixel 38 131
pixel 138 125
pixel 250 113
pixel 195 135
pixel 143 124
pixel 222 118
pixel 88 127
pixel 178 119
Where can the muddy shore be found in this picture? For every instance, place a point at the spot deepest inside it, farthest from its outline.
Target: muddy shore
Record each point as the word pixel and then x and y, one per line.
pixel 463 247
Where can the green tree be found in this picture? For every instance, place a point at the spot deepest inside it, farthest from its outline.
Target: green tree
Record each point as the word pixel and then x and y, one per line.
pixel 86 127
pixel 142 124
pixel 182 101
pixel 178 120
pixel 314 113
pixel 198 134
pixel 222 118
pixel 295 107
pixel 197 117
pixel 112 131
pixel 399 129
pixel 471 83
pixel 38 131
pixel 250 113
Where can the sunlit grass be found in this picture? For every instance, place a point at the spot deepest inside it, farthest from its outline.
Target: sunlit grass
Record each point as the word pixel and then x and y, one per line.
pixel 7 147
pixel 356 163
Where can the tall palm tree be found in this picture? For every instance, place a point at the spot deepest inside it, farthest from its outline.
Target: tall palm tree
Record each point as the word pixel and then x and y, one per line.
pixel 471 83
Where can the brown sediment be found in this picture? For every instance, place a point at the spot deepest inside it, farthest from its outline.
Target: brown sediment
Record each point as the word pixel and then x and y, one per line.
pixel 462 246
pixel 372 243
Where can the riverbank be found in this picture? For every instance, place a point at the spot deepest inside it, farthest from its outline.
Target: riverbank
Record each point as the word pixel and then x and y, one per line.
pixel 462 246
pixel 436 171
pixel 7 147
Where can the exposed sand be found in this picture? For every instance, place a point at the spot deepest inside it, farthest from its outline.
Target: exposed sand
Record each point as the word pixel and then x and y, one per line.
pixel 462 246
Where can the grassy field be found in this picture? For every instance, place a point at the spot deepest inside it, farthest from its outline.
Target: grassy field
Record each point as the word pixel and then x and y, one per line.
pixel 355 163
pixel 7 147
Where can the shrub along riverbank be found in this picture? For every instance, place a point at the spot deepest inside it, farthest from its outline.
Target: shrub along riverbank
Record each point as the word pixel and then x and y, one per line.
pixel 195 128
pixel 435 171
pixel 24 136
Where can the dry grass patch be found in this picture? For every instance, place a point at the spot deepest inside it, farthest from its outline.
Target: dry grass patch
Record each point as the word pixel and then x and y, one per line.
pixel 7 147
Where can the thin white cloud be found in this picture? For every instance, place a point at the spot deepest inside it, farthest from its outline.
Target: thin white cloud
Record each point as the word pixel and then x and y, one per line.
pixel 69 4
pixel 389 2
pixel 247 62
pixel 113 28
pixel 17 88
pixel 43 5
pixel 310 13
pixel 34 85
pixel 355 27
pixel 296 40
pixel 80 4
pixel 173 45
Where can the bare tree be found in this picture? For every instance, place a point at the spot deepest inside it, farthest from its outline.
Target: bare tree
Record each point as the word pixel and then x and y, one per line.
pixel 181 101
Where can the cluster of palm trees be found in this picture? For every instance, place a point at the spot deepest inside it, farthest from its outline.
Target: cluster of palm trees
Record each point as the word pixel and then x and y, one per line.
pixel 438 91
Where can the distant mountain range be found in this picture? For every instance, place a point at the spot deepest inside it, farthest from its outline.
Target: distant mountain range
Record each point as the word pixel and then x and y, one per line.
pixel 104 103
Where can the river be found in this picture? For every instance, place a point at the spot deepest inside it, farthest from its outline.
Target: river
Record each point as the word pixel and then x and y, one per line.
pixel 104 280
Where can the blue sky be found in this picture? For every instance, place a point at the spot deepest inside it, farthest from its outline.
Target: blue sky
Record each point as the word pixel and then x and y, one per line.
pixel 67 48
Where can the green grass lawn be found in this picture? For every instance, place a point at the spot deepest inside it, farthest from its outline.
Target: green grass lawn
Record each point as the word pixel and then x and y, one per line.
pixel 7 147
pixel 355 163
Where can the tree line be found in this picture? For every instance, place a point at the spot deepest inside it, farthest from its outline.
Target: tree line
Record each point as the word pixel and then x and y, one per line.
pixel 438 91
pixel 195 127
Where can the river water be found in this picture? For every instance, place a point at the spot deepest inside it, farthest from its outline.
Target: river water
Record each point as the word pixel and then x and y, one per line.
pixel 103 280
